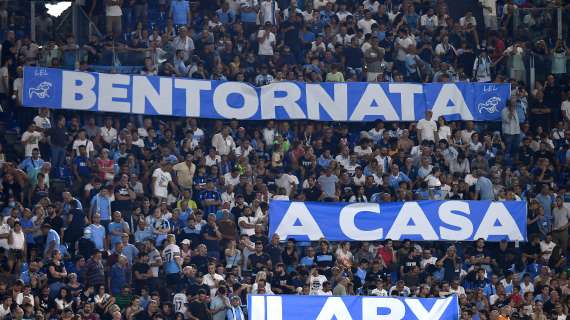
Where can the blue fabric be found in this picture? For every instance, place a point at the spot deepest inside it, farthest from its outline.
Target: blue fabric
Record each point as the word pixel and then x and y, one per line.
pixel 58 88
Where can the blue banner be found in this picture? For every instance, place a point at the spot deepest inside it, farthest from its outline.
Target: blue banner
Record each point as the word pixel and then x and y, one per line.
pixel 351 101
pixel 294 307
pixel 452 220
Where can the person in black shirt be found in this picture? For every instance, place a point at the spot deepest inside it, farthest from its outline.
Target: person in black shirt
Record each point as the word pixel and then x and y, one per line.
pixel 198 286
pixel 312 192
pixel 54 219
pixel 259 236
pixel 75 229
pixel 412 260
pixel 531 251
pixel 353 56
pixel 281 281
pixel 141 271
pixel 259 259
pixel 451 264
pixel 148 314
pixel 199 308
pixel 212 236
pixel 377 272
pixel 274 249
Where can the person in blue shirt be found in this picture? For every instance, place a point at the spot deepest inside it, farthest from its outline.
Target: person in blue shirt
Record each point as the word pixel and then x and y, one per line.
pixel 396 177
pixel 171 255
pixel 117 228
pixel 101 204
pixel 53 241
pixel 180 13
pixel 27 225
pixel 225 14
pixel 33 164
pixel 97 232
pixel 210 199
pixel 120 275
pixel 82 165
pixel 235 312
pixel 483 186
pixel 129 249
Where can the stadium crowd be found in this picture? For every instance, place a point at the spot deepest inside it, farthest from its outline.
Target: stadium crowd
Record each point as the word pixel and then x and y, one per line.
pixel 132 217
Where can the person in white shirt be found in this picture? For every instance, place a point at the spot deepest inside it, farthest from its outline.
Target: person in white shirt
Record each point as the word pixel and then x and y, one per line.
pixel 456 288
pixel 108 133
pixel 365 24
pixel 429 20
pixel 402 43
pixel 184 42
pixel 269 133
pixel 489 13
pixel 244 149
pixel 25 296
pixel 526 285
pixel 566 106
pixel 468 19
pixel 546 247
pixel 161 179
pixel 42 119
pixel 31 139
pixel 212 158
pixel 286 181
pixel 268 10
pixel 212 279
pixel 379 291
pixel 223 142
pixel 342 13
pixel 247 222
pixel 427 127
pixel 315 281
pixel 5 306
pixel 114 14
pixel 83 141
pixel 427 259
pixel 232 177
pixel 321 4
pixel 266 39
pixel 482 67
pixel 180 300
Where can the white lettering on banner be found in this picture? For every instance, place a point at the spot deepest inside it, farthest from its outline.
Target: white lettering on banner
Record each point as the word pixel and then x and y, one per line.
pixel 269 102
pixel 370 308
pixel 193 88
pixel 108 92
pixel 160 100
pixel 506 225
pixel 317 97
pixel 334 307
pixel 271 307
pixel 407 93
pixel 411 212
pixel 74 84
pixel 323 101
pixel 248 93
pixel 275 307
pixel 421 312
pixel 307 225
pixel 257 308
pixel 465 227
pixel 450 92
pixel 348 227
pixel 374 102
pixel 410 220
